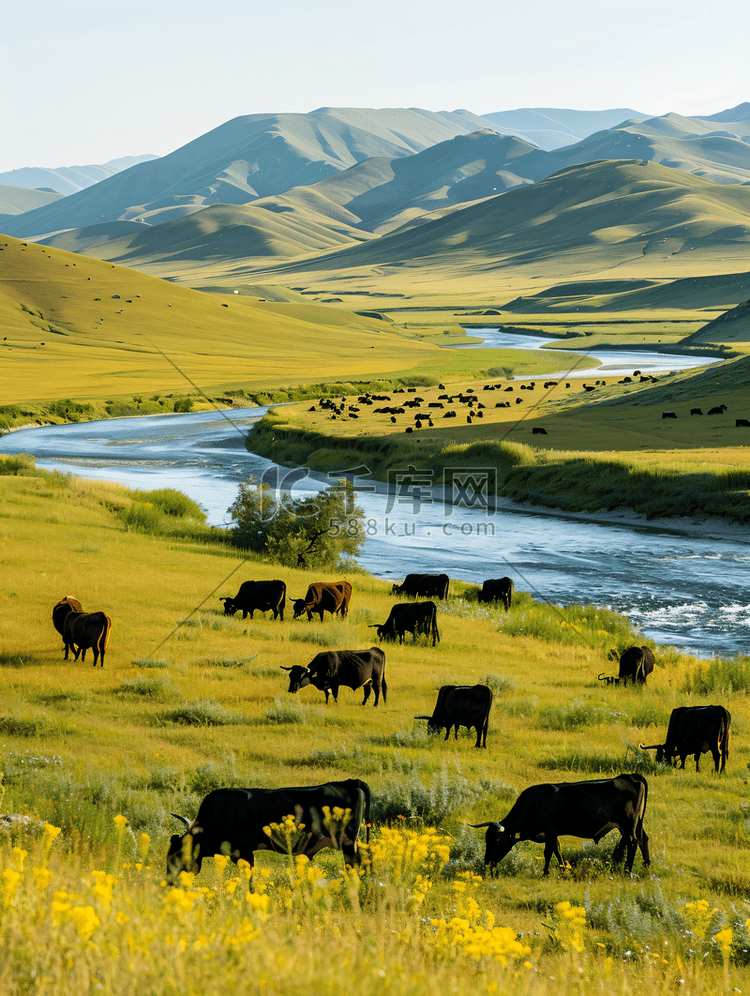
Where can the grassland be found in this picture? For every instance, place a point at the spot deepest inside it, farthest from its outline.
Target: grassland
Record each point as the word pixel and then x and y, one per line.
pixel 190 700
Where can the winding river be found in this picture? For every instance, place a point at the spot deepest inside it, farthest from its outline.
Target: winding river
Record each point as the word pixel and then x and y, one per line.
pixel 690 592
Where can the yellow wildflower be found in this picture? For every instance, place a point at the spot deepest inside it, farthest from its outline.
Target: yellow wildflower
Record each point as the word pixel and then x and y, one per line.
pixel 121 822
pixel 85 919
pixel 11 878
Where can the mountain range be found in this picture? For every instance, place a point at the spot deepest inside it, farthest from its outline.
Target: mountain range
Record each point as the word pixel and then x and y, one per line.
pixel 371 188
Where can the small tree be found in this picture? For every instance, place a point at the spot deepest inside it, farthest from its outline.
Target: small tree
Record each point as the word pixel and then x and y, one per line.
pixel 299 532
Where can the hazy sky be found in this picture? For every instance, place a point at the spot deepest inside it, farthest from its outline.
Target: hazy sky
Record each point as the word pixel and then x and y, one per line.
pixel 85 81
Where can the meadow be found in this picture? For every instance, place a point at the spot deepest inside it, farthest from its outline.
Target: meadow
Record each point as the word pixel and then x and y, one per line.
pixel 190 700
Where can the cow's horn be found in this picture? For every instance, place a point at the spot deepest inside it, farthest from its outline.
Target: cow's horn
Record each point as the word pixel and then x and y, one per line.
pixel 650 746
pixel 477 826
pixel 602 676
pixel 283 668
pixel 181 819
pixel 373 625
pixel 423 717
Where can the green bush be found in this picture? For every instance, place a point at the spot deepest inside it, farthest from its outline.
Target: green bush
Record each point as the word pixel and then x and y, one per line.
pixel 201 713
pixel 287 710
pixel 572 716
pixel 721 676
pixel 156 689
pixel 171 502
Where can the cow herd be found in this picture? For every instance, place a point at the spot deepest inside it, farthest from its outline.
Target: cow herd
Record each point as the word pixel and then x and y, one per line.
pixel 234 820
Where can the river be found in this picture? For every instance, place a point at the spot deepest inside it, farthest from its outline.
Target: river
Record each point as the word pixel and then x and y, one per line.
pixel 690 592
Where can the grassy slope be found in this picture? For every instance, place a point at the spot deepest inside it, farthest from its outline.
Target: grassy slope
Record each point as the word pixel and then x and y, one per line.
pixel 104 735
pixel 75 327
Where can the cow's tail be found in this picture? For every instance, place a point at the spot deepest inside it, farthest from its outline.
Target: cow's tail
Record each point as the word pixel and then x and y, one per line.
pixel 435 633
pixel 103 641
pixel 727 728
pixel 383 686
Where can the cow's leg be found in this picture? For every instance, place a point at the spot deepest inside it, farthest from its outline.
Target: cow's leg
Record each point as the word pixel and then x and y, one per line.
pixel 335 693
pixel 367 693
pixel 697 756
pixel 551 846
pixel 327 693
pixel 643 844
pixel 717 757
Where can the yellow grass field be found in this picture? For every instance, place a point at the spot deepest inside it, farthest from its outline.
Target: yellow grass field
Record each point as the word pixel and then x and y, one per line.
pixel 189 700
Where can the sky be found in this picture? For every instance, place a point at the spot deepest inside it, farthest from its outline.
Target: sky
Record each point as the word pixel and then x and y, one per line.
pixel 87 81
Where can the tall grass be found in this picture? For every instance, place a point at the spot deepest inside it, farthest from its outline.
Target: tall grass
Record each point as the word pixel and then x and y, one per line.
pixel 718 677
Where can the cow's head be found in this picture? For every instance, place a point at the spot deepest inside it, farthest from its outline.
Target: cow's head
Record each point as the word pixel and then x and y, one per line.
pixel 229 606
pixel 661 752
pixel 298 605
pixel 396 589
pixel 498 841
pixel 299 677
pixel 385 632
pixel 184 852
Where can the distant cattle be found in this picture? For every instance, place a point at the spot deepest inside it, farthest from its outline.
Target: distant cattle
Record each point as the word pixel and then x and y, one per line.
pixel 497 590
pixel 60 614
pixel 588 809
pixel 717 410
pixel 84 630
pixel 423 586
pixel 234 821
pixel 671 414
pixel 537 430
pixel 695 730
pixel 742 422
pixel 636 664
pixel 462 705
pixel 324 596
pixel 257 596
pixel 418 618
pixel 696 411
pixel 332 668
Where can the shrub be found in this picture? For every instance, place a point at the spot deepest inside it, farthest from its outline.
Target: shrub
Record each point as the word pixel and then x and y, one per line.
pixel 201 713
pixel 441 798
pixel 497 683
pixel 710 677
pixel 149 662
pixel 171 502
pixel 573 716
pixel 287 710
pixel 156 689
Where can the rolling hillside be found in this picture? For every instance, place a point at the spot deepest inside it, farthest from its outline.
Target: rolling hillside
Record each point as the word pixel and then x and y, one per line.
pixel 69 179
pixel 373 197
pixel 554 127
pixel 16 200
pixel 249 157
pixel 76 327
pixel 609 212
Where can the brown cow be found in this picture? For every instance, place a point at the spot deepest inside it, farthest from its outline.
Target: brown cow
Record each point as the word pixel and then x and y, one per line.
pixel 324 596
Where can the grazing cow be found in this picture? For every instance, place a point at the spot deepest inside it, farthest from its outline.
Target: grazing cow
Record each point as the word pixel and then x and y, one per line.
pixel 324 596
pixel 418 618
pixel 741 422
pixel 589 809
pixel 352 668
pixel 423 586
pixel 671 414
pixel 537 430
pixel 231 821
pixel 717 410
pixel 257 596
pixel 87 629
pixel 696 411
pixel 461 705
pixel 497 590
pixel 60 614
pixel 636 664
pixel 695 730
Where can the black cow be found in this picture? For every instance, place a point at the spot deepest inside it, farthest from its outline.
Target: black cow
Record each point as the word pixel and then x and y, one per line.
pixel 636 664
pixel 419 618
pixel 332 668
pixel 231 821
pixel 590 809
pixel 60 614
pixel 324 596
pixel 696 730
pixel 257 596
pixel 423 586
pixel 462 705
pixel 740 422
pixel 497 590
pixel 87 629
